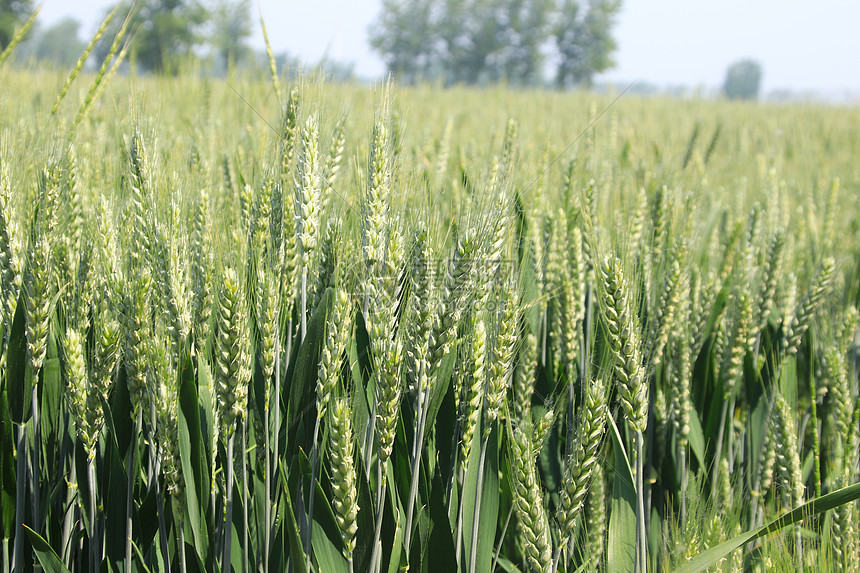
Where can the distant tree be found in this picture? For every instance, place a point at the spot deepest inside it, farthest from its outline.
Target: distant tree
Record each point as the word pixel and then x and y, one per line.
pixel 167 32
pixel 60 43
pixel 12 12
pixel 403 34
pixel 584 41
pixel 451 31
pixel 484 36
pixel 163 32
pixel 743 80
pixel 478 41
pixel 231 27
pixel 527 26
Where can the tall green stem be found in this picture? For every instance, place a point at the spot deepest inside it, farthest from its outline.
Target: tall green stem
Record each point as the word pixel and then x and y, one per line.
pixel 816 452
pixel 272 413
pixel 37 462
pixel 21 479
pixel 304 302
pixel 132 458
pixel 314 474
pixel 476 518
pixel 245 552
pixel 95 540
pixel 159 506
pixel 459 541
pixel 228 508
pixel 417 448
pixel 375 555
pixel 181 546
pixel 642 560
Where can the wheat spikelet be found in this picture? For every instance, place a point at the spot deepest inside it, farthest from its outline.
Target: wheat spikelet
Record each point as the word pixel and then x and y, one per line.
pixel 165 383
pixel 38 286
pixel 8 264
pixel 107 341
pixel 787 461
pixel 524 373
pixel 625 343
pixel 502 352
pixel 173 283
pixel 289 132
pixel 509 146
pixel 595 518
pixel 589 230
pixel 327 260
pixel 847 329
pixel 528 502
pixel 638 217
pixel 660 325
pixel 473 392
pixel 702 294
pixel 730 251
pixel 574 296
pixel 135 314
pixel 660 211
pixel 739 342
pixel 232 367
pixel 835 372
pixel 454 298
pixel 77 389
pixel 139 181
pixel 788 299
pixel 345 502
pixel 267 319
pixel 309 193
pixel 376 204
pixel 773 264
pixel 579 467
pixel 421 297
pixel 806 308
pixel 338 326
pixel 543 427
pixel 556 286
pixel 200 269
pixel 333 160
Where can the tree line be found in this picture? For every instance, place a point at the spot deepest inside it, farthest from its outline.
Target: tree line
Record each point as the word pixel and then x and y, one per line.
pixel 164 32
pixel 486 41
pixel 522 42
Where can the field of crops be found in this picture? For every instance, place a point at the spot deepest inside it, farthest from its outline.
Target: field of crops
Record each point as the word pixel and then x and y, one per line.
pixel 291 326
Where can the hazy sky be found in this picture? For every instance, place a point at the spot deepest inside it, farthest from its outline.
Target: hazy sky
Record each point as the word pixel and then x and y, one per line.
pixel 802 45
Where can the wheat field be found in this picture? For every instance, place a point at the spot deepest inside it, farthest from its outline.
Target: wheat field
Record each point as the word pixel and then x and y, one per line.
pixel 270 324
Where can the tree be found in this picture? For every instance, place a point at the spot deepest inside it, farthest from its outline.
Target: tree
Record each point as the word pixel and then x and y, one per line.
pixel 61 43
pixel 480 41
pixel 163 32
pixel 11 13
pixel 584 41
pixel 743 80
pixel 402 33
pixel 166 33
pixel 527 25
pixel 231 28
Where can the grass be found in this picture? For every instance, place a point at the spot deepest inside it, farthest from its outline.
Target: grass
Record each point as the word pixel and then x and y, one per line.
pixel 494 395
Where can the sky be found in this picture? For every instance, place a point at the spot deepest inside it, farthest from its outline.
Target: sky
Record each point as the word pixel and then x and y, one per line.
pixel 802 46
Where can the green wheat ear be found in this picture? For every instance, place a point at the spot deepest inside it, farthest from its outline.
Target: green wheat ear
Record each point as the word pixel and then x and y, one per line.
pixel 343 468
pixel 529 501
pixel 580 466
pixel 625 342
pixel 232 368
